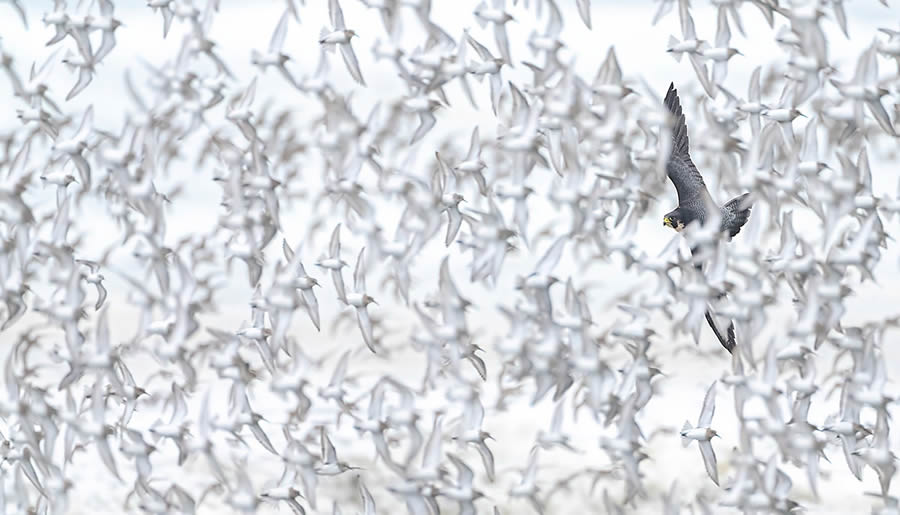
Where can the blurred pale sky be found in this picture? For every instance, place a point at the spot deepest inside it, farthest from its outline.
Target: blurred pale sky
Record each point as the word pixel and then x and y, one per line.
pixel 242 26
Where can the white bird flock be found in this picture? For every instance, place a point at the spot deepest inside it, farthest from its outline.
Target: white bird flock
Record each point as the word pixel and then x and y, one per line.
pixel 432 320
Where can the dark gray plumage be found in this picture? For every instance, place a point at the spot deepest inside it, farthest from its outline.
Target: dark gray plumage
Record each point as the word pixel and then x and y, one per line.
pixel 727 340
pixel 693 197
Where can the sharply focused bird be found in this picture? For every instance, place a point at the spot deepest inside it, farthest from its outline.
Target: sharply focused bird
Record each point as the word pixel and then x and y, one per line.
pixel 703 434
pixel 694 200
pixel 693 197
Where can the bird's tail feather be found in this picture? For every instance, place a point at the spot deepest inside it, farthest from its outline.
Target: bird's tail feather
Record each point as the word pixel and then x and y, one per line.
pixel 740 206
pixel 673 41
pixel 729 342
pixel 685 441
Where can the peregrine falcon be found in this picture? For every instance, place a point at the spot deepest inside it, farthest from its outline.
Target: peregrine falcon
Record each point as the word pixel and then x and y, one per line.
pixel 694 198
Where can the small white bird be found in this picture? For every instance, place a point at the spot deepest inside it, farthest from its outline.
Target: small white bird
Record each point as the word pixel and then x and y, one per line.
pixel 442 188
pixel 335 264
pixel 538 282
pixel 108 24
pixel 496 15
pixel 703 434
pixel 274 56
pixel 302 281
pixel 95 278
pixel 85 66
pixel 340 36
pixel 555 436
pixel 74 147
pixel 330 466
pixel 463 492
pixel 527 486
pixel 472 164
pixel 360 300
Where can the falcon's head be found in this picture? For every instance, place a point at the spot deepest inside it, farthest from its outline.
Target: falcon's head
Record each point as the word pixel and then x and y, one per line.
pixel 676 220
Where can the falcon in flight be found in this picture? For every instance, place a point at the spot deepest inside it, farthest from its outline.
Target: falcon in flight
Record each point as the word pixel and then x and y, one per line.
pixel 694 199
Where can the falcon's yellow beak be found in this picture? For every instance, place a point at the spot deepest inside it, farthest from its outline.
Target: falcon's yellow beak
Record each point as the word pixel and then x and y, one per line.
pixel 667 222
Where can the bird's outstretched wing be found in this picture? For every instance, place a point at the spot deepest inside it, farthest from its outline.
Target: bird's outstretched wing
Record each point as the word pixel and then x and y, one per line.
pixel 680 169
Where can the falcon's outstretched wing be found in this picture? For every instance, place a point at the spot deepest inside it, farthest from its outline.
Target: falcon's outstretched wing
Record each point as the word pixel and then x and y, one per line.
pixel 680 169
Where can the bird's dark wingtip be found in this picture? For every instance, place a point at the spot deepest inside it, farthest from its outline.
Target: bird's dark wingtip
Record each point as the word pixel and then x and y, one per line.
pixel 679 130
pixel 732 342
pixel 671 100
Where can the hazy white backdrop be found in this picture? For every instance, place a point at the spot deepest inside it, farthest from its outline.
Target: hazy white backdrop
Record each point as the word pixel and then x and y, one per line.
pixel 244 25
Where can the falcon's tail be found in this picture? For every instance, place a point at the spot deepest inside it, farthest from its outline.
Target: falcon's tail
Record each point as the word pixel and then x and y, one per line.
pixel 727 341
pixel 735 213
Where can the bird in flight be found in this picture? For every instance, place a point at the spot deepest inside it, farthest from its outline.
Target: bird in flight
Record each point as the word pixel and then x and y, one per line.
pixel 694 200
pixel 693 197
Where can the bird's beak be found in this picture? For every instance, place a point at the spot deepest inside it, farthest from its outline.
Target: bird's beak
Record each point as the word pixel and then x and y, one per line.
pixel 667 221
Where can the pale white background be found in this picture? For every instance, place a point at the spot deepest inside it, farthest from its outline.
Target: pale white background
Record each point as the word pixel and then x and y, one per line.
pixel 242 26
